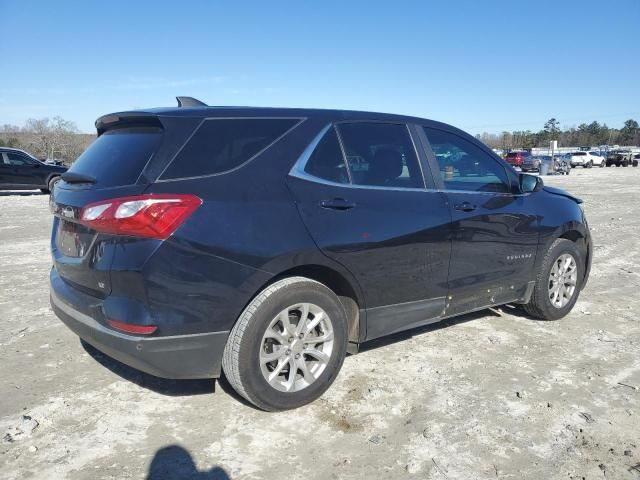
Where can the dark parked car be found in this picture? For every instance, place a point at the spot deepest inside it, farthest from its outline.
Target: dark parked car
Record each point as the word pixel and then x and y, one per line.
pixel 21 171
pixel 531 163
pixel 621 158
pixel 518 158
pixel 266 243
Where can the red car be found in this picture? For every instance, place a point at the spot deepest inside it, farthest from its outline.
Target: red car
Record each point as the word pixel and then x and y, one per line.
pixel 516 158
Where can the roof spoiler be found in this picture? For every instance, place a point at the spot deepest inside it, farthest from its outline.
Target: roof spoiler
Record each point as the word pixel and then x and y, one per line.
pixel 127 119
pixel 190 102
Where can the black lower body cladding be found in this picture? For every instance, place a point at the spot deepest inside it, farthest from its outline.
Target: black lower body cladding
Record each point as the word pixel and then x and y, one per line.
pixel 176 356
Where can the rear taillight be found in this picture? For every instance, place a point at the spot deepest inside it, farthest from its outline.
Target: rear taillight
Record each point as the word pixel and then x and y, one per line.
pixel 151 216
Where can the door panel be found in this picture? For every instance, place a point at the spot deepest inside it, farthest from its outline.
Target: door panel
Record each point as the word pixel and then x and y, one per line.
pixel 494 231
pixel 24 171
pixel 362 198
pixel 396 243
pixel 5 170
pixel 493 250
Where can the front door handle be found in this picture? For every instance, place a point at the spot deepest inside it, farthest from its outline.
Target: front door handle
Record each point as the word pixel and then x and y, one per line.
pixel 337 204
pixel 465 207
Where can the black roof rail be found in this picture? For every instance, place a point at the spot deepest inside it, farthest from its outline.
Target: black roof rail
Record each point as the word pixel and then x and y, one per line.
pixel 190 102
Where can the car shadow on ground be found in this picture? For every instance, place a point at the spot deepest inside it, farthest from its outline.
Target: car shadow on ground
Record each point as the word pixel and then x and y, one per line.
pixel 172 388
pixel 175 463
pixel 180 388
pixel 21 193
pixel 163 386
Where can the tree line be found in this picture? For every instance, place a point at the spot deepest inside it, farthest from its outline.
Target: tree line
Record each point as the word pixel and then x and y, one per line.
pixel 47 138
pixel 585 134
pixel 60 139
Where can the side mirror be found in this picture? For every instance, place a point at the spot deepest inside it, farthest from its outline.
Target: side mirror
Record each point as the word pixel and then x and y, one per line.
pixel 530 183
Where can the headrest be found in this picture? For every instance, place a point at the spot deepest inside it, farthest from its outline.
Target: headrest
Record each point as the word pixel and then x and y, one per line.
pixel 385 166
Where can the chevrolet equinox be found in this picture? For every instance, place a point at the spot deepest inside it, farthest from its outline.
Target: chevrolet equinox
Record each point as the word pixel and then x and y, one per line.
pixel 266 243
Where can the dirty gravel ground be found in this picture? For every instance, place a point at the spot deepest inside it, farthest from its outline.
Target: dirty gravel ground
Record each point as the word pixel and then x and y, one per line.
pixel 489 395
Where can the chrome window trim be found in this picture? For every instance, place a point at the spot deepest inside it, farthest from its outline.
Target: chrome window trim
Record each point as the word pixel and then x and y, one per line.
pixel 344 153
pixel 301 162
pixel 195 177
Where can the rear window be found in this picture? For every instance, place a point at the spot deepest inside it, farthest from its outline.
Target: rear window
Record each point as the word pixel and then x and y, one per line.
pixel 220 145
pixel 513 154
pixel 578 154
pixel 117 157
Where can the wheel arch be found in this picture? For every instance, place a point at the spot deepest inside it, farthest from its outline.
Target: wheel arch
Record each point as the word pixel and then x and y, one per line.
pixel 345 289
pixel 578 234
pixel 51 176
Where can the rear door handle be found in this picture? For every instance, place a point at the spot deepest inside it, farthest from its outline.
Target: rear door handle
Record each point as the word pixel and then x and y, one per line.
pixel 337 204
pixel 465 207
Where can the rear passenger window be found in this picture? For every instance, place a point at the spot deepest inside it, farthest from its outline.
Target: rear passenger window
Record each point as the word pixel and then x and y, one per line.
pixel 381 154
pixel 465 166
pixel 221 145
pixel 326 161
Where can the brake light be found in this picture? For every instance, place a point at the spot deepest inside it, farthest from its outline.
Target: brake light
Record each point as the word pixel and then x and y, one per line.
pixel 132 328
pixel 151 216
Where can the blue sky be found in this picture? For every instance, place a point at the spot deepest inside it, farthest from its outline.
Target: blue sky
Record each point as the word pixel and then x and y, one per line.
pixel 482 66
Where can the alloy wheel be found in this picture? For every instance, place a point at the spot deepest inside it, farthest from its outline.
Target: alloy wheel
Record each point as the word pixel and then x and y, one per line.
pixel 296 347
pixel 563 279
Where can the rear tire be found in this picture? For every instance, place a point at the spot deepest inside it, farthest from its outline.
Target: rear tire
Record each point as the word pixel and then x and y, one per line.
pixel 260 334
pixel 544 303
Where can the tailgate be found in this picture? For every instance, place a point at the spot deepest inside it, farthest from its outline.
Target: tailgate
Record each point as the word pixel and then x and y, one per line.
pixel 109 168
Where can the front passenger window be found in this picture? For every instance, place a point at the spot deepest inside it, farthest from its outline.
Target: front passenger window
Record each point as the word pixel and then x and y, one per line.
pixel 465 166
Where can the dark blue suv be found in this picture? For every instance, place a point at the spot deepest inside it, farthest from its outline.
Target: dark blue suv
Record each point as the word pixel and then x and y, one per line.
pixel 267 243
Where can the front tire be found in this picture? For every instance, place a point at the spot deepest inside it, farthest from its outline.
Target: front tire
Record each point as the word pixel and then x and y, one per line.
pixel 288 345
pixel 51 184
pixel 558 282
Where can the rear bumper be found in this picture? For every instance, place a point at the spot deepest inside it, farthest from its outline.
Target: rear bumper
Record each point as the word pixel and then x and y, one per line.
pixel 178 357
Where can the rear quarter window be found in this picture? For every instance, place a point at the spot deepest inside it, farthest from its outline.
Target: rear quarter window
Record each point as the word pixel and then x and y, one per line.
pixel 117 157
pixel 220 145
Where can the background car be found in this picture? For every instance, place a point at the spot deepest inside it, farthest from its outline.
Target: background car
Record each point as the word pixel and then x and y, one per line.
pixel 562 164
pixel 598 160
pixel 586 160
pixel 531 163
pixel 621 158
pixel 22 171
pixel 517 158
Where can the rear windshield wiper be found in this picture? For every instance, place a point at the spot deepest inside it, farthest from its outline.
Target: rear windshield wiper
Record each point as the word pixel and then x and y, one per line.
pixel 72 177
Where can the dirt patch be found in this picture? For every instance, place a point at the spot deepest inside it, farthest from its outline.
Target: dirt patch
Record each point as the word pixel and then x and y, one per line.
pixel 489 395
